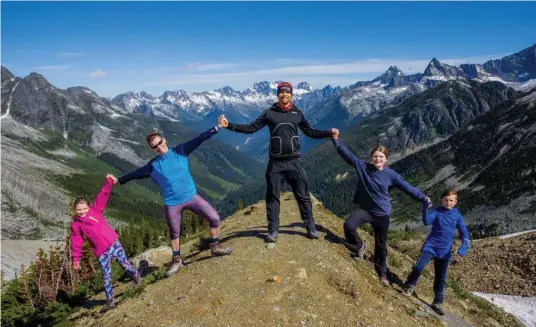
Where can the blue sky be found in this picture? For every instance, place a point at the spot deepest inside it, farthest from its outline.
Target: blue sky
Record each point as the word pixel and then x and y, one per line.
pixel 117 47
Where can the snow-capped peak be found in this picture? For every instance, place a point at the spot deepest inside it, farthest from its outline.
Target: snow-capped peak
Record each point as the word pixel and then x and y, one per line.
pixel 304 86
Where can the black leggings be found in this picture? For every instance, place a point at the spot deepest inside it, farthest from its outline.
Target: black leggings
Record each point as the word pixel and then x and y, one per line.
pixel 381 227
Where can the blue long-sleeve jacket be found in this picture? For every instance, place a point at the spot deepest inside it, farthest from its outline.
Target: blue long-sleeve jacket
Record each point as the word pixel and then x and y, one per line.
pixel 444 223
pixel 170 171
pixel 373 185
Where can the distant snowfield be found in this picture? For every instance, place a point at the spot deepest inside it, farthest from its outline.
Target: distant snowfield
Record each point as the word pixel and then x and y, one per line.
pixel 63 153
pixel 516 234
pixel 524 308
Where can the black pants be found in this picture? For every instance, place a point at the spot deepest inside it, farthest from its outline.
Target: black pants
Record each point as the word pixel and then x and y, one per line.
pixel 292 172
pixel 381 227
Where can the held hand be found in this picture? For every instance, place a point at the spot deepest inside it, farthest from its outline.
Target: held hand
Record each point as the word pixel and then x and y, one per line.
pixel 222 121
pixel 112 177
pixel 76 265
pixel 429 202
pixel 334 133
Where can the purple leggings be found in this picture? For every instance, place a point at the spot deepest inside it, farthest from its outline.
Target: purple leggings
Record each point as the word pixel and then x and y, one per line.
pixel 197 205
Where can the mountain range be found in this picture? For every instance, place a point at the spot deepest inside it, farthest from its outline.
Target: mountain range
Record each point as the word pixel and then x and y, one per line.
pixel 49 132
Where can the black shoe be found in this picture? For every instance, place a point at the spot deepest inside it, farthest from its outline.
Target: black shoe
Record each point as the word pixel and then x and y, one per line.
pixel 438 308
pixel 271 237
pixel 311 233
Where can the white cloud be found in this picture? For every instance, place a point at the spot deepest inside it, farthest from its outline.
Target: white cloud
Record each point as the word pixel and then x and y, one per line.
pixel 292 69
pixel 70 54
pixel 57 67
pixel 99 73
pixel 207 67
pixel 198 76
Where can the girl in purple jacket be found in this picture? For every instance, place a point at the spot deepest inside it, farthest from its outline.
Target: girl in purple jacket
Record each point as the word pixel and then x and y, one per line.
pixel 89 222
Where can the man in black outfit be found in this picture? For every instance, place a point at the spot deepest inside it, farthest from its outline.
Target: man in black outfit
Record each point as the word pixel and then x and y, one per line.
pixel 283 120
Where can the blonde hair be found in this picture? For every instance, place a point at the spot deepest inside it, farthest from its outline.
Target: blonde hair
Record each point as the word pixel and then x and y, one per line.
pixel 383 149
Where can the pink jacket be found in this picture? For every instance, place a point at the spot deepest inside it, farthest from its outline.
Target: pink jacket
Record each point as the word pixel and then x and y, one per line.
pixel 94 226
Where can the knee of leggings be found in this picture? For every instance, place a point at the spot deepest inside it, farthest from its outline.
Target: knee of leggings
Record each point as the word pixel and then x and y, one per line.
pixel 214 222
pixel 175 235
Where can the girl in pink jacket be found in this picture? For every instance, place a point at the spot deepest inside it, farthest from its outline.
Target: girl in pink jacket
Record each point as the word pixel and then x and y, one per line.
pixel 104 241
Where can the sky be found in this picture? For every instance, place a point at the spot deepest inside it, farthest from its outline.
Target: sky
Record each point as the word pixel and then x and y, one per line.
pixel 116 47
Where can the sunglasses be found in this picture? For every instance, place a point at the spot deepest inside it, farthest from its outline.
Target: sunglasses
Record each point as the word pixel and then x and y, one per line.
pixel 157 144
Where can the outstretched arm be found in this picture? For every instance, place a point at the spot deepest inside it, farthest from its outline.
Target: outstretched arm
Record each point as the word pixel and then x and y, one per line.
pixel 464 236
pixel 409 189
pixel 250 128
pixel 142 172
pixel 188 147
pixel 308 130
pixel 346 154
pixel 76 244
pixel 102 197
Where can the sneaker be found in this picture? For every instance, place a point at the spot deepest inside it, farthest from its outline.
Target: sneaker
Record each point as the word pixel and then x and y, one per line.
pixel 110 305
pixel 385 281
pixel 311 233
pixel 218 250
pixel 174 266
pixel 438 308
pixel 272 237
pixel 137 281
pixel 361 251
pixel 408 290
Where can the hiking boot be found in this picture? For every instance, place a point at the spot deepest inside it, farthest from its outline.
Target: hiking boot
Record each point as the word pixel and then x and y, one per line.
pixel 385 281
pixel 174 266
pixel 136 282
pixel 218 250
pixel 408 290
pixel 110 305
pixel 271 237
pixel 438 308
pixel 311 233
pixel 361 252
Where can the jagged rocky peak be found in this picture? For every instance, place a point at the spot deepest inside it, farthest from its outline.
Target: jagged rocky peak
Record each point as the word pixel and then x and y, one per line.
pixel 6 74
pixel 436 68
pixel 304 86
pixel 226 90
pixel 265 87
